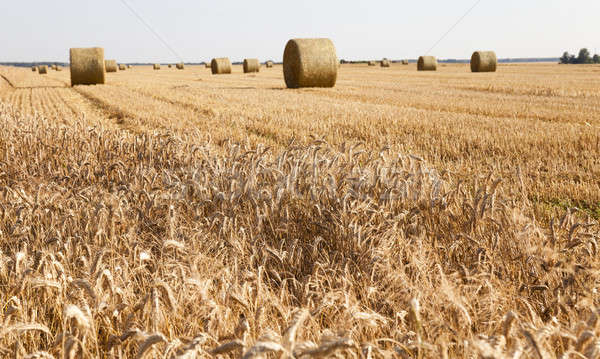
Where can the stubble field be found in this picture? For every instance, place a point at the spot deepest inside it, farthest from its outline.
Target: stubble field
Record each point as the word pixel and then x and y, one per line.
pixel 172 213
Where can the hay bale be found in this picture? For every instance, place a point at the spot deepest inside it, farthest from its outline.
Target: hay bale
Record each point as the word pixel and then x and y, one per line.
pixel 484 61
pixel 180 66
pixel 269 64
pixel 385 63
pixel 57 68
pixel 404 62
pixel 427 63
pixel 43 69
pixel 207 65
pixel 34 68
pixel 169 65
pixel 251 65
pixel 122 67
pixel 128 66
pixel 111 65
pixel 372 63
pixel 310 63
pixel 87 66
pixel 220 66
pixel 156 66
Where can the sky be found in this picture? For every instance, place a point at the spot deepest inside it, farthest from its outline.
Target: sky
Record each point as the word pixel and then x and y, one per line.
pixel 198 30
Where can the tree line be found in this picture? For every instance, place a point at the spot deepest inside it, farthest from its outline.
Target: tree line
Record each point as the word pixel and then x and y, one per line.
pixel 584 57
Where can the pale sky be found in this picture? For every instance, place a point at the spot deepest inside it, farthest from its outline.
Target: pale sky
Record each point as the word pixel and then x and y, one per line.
pixel 199 30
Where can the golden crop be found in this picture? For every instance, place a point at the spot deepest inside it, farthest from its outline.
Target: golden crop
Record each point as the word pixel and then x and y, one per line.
pixel 405 214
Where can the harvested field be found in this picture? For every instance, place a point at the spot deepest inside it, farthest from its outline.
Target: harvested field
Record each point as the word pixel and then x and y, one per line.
pixel 399 213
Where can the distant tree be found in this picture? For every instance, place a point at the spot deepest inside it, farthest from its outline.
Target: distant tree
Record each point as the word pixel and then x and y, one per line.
pixel 564 59
pixel 596 59
pixel 584 57
pixel 572 59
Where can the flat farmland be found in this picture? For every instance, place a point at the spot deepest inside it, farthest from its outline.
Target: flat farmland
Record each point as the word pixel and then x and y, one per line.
pixel 415 214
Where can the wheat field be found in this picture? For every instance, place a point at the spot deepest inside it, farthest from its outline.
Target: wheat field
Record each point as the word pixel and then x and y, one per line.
pixel 177 214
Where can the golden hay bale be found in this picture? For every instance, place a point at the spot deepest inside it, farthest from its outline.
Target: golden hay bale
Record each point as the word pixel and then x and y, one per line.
pixel 484 61
pixel 251 65
pixel 169 65
pixel 128 66
pixel 111 65
pixel 34 68
pixel 220 66
pixel 269 64
pixel 122 67
pixel 43 69
pixel 427 63
pixel 156 66
pixel 180 66
pixel 385 63
pixel 372 63
pixel 87 66
pixel 57 68
pixel 404 62
pixel 310 63
pixel 207 65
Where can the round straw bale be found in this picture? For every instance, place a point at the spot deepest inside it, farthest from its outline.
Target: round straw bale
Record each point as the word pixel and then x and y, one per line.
pixel 43 69
pixel 128 66
pixel 220 66
pixel 269 64
pixel 310 63
pixel 251 65
pixel 87 66
pixel 404 62
pixel 427 63
pixel 207 65
pixel 122 67
pixel 385 63
pixel 372 63
pixel 169 65
pixel 180 66
pixel 34 68
pixel 111 65
pixel 156 67
pixel 57 68
pixel 484 61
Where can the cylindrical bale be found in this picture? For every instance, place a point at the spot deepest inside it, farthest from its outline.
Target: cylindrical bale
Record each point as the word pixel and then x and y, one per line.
pixel 385 63
pixel 156 67
pixel 122 67
pixel 128 66
pixel 208 65
pixel 180 66
pixel 57 68
pixel 87 66
pixel 111 65
pixel 427 63
pixel 484 61
pixel 34 68
pixel 404 62
pixel 251 65
pixel 169 66
pixel 372 63
pixel 220 66
pixel 43 69
pixel 310 63
pixel 269 64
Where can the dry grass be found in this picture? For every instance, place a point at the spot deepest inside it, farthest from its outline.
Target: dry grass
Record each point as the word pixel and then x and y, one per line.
pixel 387 218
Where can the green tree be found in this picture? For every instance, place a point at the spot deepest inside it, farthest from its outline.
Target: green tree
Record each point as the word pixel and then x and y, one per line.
pixel 596 59
pixel 565 58
pixel 584 57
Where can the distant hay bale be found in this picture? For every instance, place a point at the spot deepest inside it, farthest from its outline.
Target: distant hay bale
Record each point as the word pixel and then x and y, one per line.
pixel 169 65
pixel 220 66
pixel 111 65
pixel 43 69
pixel 156 67
pixel 34 68
pixel 310 63
pixel 128 66
pixel 87 66
pixel 122 67
pixel 207 65
pixel 269 64
pixel 404 62
pixel 484 61
pixel 57 68
pixel 372 63
pixel 251 65
pixel 427 63
pixel 385 63
pixel 180 66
